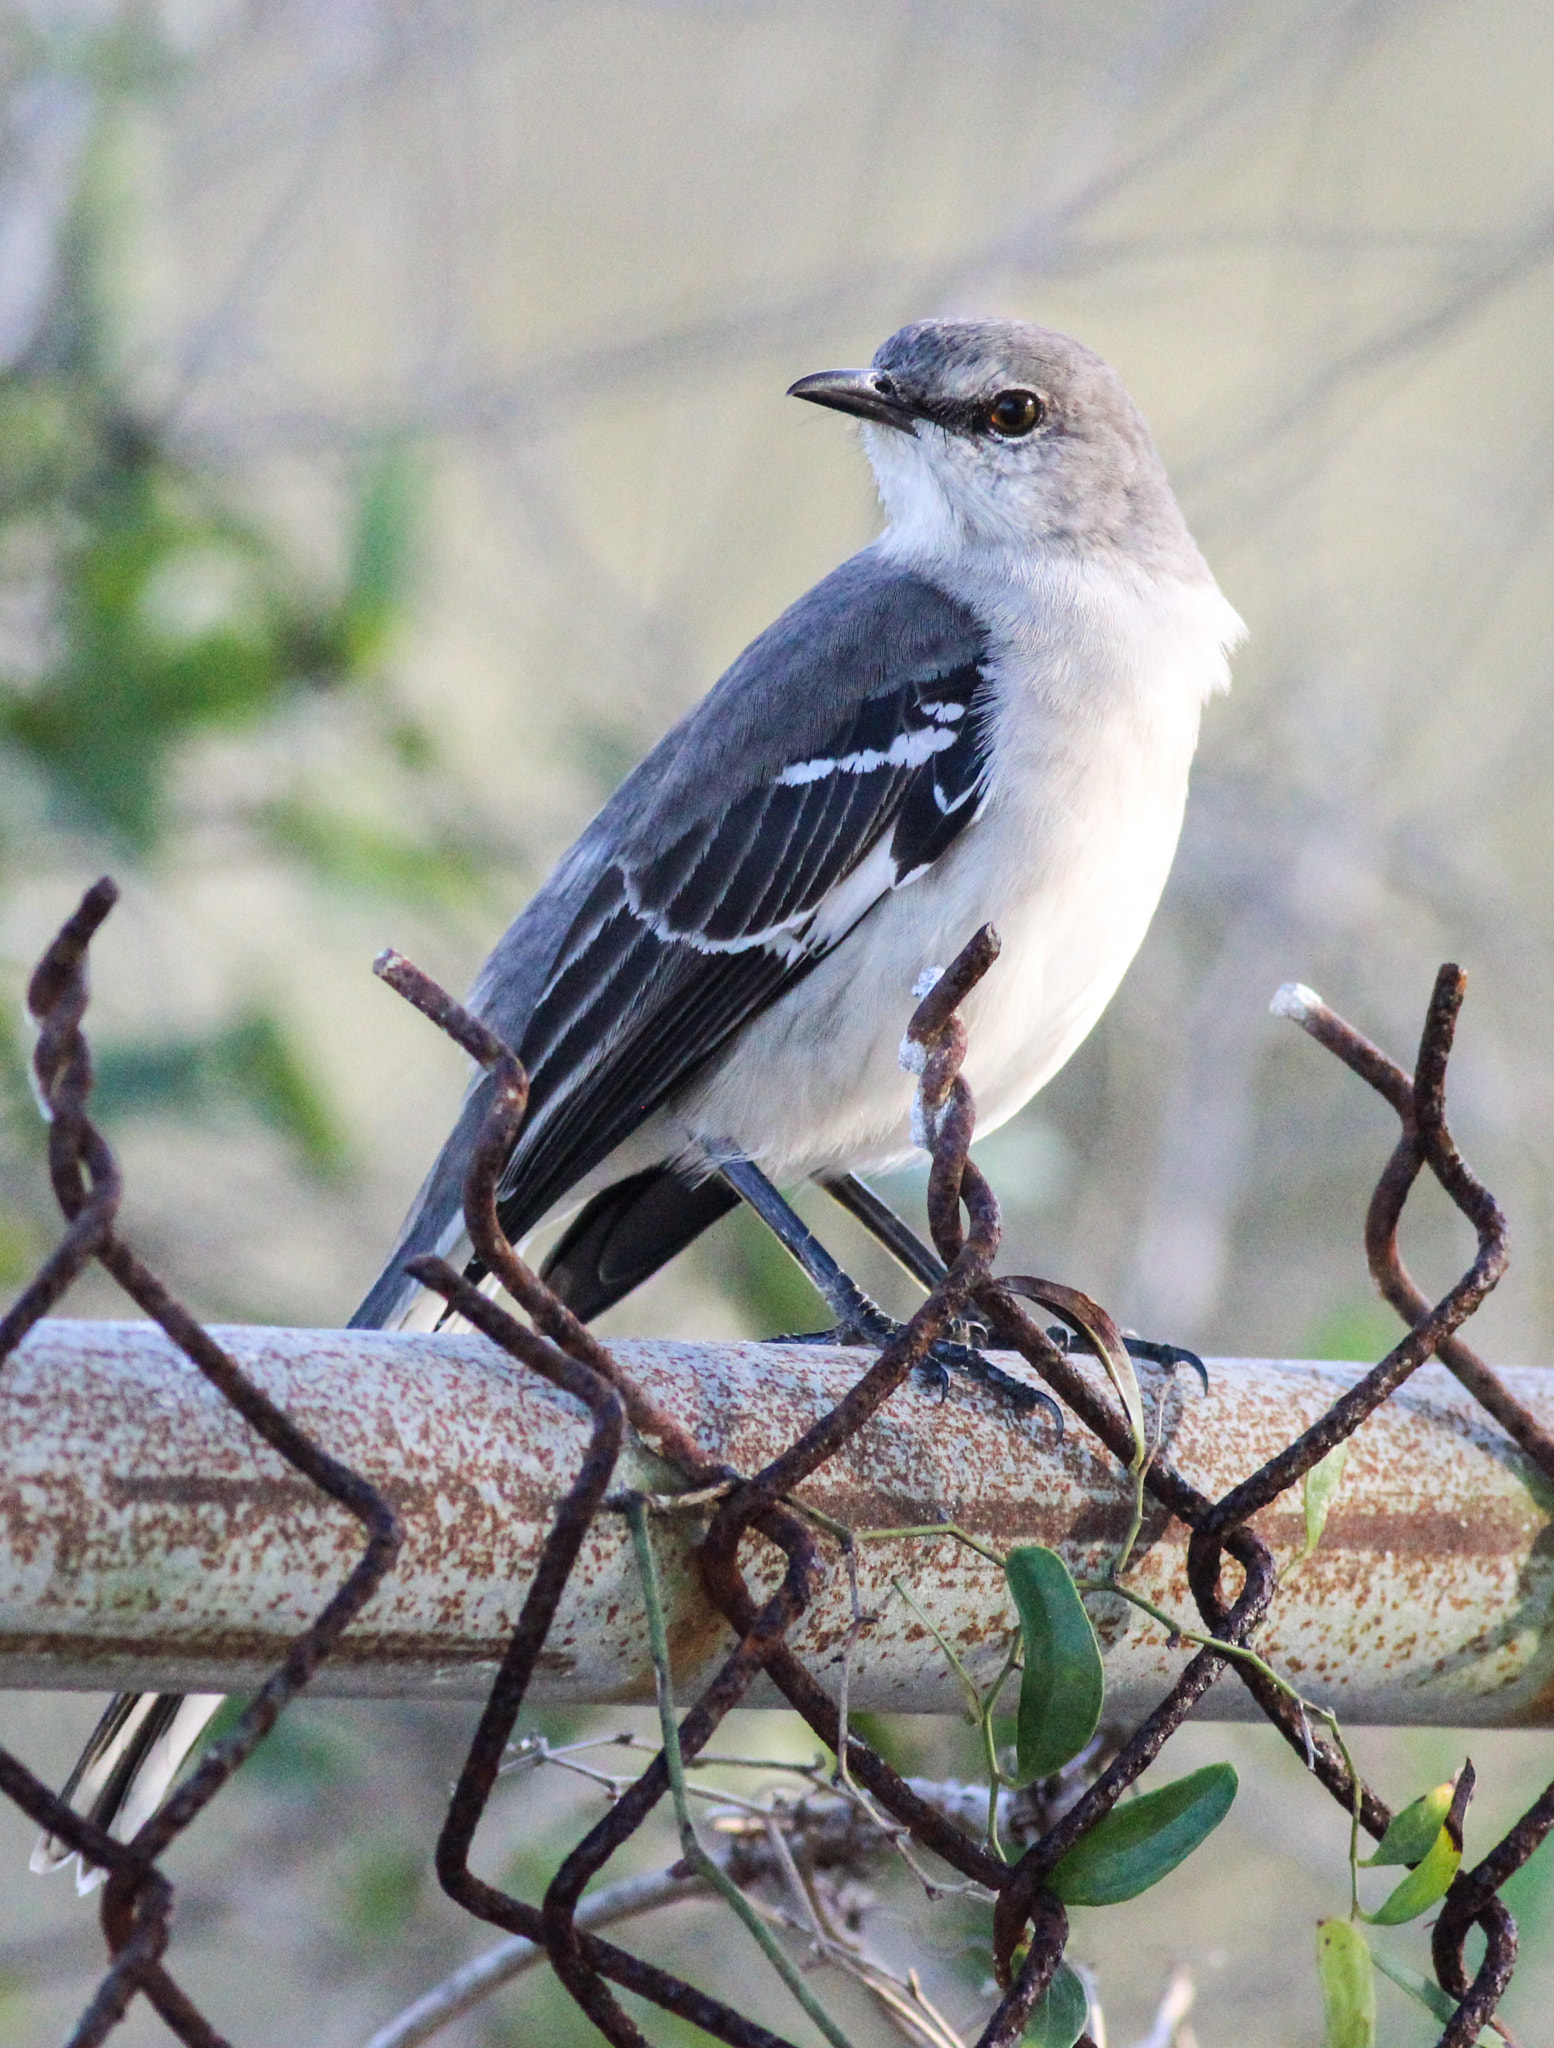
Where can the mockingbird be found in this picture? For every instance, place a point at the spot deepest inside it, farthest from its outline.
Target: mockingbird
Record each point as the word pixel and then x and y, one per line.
pixel 986 715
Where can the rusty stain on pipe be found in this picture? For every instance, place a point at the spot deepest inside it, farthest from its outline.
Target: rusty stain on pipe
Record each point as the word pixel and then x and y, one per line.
pixel 148 1540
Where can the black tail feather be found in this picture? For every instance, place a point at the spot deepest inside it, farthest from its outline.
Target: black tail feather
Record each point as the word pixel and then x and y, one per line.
pixel 127 1767
pixel 160 1716
pixel 622 1237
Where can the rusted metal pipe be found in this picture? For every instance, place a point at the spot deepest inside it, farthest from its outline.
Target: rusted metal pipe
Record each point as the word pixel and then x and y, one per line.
pixel 149 1539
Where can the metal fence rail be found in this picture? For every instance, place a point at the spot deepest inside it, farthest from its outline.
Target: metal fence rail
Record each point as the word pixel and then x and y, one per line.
pixel 144 1510
pixel 150 1542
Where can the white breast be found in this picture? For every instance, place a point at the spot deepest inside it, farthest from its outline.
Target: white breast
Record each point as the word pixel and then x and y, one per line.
pixel 1100 676
pixel 1101 683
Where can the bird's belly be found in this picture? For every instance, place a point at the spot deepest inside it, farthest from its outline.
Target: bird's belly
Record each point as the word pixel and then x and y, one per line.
pixel 816 1083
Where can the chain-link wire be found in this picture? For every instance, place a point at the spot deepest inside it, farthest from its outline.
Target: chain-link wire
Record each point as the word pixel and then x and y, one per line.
pixel 1030 1924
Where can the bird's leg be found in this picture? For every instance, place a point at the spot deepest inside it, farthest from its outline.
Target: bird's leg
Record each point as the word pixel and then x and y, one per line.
pixel 857 1317
pixel 927 1268
pixel 885 1226
pixel 898 1238
pixel 961 1352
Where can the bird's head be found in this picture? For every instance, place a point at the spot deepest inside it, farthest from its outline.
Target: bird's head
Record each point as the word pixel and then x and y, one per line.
pixel 993 432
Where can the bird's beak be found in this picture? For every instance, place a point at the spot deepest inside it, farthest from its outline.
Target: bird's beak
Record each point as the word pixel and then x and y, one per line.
pixel 868 394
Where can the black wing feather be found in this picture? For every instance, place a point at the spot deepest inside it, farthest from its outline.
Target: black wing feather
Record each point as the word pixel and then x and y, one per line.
pixel 691 1015
pixel 938 805
pixel 667 959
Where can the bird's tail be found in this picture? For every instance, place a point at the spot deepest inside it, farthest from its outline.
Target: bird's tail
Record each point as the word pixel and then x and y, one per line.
pixel 124 1772
pixel 435 1222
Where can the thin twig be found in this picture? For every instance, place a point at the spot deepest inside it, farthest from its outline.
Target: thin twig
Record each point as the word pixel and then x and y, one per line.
pixel 465 1988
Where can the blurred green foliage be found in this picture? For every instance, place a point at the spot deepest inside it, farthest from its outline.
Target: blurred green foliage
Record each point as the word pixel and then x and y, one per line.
pixel 356 853
pixel 1530 1896
pixel 1361 1329
pixel 145 612
pixel 154 609
pixel 381 1890
pixel 19 1248
pixel 251 1062
pixel 311 1747
pixel 168 615
pixel 14 1990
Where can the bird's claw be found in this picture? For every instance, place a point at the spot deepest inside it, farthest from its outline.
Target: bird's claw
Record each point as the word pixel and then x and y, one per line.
pixel 837 1335
pixel 944 1359
pixel 934 1373
pixel 869 1331
pixel 1167 1356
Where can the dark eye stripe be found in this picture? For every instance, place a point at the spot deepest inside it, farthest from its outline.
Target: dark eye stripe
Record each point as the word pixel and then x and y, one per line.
pixel 972 417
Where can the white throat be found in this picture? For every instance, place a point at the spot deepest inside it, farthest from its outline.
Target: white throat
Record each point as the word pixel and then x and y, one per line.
pixel 925 522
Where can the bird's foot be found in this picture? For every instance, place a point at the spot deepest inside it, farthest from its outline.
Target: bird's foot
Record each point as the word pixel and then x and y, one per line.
pixel 959 1352
pixel 1167 1356
pixel 949 1356
pixel 839 1333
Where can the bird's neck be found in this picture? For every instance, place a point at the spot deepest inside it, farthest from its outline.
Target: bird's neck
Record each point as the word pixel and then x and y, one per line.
pixel 1091 612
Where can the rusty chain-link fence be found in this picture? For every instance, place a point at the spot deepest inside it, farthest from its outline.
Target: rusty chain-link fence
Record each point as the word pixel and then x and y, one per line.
pixel 1231 1569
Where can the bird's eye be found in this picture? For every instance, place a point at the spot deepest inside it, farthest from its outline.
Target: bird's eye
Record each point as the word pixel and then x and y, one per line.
pixel 1014 414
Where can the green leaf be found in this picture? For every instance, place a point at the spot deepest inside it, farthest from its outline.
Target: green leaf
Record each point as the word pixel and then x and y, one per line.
pixel 1426 1992
pixel 1119 1370
pixel 1422 1886
pixel 1435 1859
pixel 1061 2014
pixel 1062 1684
pixel 1413 1832
pixel 1142 1841
pixel 1348 1985
pixel 1321 1484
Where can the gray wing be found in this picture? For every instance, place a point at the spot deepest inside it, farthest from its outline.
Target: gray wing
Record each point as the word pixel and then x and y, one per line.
pixel 720 873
